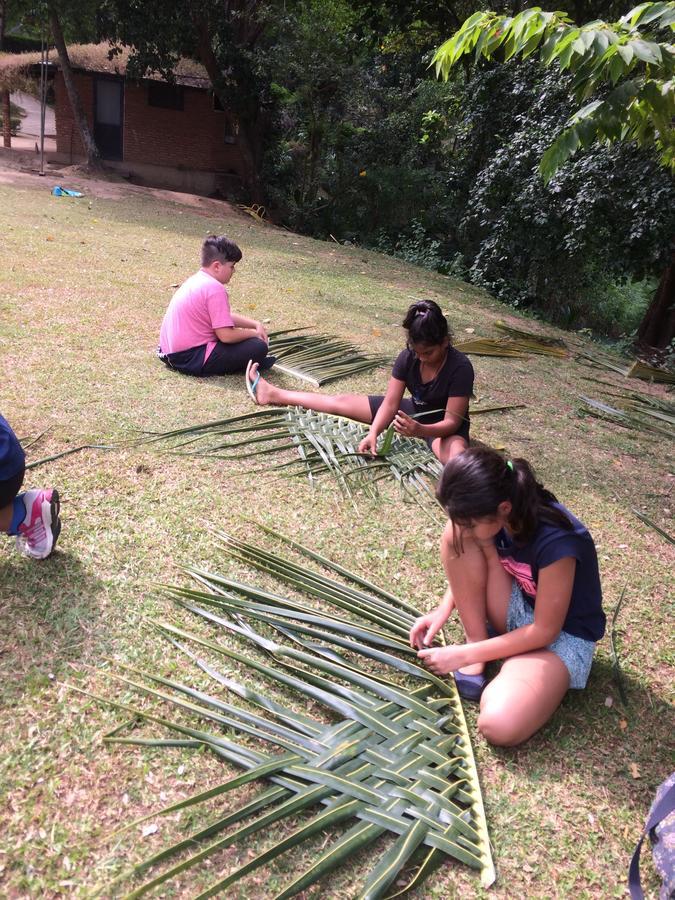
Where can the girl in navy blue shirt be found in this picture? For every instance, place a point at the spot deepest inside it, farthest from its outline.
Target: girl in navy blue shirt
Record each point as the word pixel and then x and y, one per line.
pixel 522 568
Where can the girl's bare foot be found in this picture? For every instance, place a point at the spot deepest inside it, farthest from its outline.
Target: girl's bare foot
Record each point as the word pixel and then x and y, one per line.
pixel 264 392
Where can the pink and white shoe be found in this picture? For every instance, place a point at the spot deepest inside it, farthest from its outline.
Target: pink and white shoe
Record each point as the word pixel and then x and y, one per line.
pixel 40 529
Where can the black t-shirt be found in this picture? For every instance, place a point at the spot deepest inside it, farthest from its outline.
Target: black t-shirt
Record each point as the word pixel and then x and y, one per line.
pixel 454 379
pixel 585 617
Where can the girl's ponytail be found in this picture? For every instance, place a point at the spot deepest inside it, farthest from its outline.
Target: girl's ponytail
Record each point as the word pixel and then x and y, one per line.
pixel 475 482
pixel 531 502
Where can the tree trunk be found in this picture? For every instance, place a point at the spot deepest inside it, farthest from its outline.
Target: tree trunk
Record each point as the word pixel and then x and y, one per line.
pixel 6 123
pixel 248 137
pixel 657 328
pixel 88 142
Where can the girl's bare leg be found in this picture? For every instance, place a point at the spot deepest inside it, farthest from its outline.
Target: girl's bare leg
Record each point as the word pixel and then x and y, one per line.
pixel 353 406
pixel 447 447
pixel 6 514
pixel 480 588
pixel 523 697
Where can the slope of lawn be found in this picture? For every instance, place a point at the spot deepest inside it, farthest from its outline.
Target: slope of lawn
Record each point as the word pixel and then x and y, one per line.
pixel 83 286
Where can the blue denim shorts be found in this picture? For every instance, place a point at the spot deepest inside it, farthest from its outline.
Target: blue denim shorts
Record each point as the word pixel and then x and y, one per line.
pixel 575 652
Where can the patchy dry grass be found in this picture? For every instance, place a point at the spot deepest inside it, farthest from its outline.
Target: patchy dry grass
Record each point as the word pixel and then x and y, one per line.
pixel 83 286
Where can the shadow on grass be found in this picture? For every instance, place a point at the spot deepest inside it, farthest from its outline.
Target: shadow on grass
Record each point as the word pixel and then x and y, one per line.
pixel 617 750
pixel 49 612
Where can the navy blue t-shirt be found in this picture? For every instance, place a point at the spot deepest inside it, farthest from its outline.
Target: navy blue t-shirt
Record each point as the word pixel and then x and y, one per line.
pixel 12 457
pixel 585 618
pixel 454 379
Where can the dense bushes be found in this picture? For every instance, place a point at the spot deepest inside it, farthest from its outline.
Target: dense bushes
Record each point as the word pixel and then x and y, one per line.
pixel 445 176
pixel 15 115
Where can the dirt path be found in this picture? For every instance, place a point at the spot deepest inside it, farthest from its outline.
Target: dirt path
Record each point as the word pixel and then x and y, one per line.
pixel 19 168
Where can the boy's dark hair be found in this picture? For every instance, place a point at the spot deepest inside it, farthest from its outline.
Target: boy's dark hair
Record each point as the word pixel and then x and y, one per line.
pixel 475 482
pixel 426 324
pixel 220 249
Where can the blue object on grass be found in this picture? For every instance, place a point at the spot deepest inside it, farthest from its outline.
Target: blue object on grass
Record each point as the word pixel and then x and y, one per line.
pixel 59 191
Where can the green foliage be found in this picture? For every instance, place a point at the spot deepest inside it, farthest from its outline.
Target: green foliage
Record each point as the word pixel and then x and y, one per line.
pixel 617 306
pixel 15 116
pixel 634 54
pixel 609 214
pixel 415 246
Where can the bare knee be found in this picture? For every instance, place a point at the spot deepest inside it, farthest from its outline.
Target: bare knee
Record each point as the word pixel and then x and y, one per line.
pixel 500 727
pixel 445 448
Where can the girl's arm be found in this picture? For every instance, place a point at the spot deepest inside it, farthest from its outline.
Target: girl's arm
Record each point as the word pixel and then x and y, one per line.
pixel 554 592
pixel 455 413
pixel 384 415
pixel 425 628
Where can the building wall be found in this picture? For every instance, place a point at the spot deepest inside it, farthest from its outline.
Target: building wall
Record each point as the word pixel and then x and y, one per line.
pixel 68 140
pixel 189 139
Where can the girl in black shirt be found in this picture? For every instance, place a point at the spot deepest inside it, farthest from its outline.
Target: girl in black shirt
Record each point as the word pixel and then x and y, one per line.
pixel 438 377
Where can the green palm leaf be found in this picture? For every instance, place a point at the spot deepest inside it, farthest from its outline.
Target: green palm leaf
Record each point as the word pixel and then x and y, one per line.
pixel 389 755
pixel 325 444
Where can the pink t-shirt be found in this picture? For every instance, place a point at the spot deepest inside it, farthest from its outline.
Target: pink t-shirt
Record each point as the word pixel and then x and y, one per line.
pixel 199 306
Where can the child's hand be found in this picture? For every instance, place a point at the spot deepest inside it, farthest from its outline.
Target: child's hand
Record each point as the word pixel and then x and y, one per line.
pixel 425 629
pixel 261 332
pixel 369 444
pixel 405 425
pixel 442 660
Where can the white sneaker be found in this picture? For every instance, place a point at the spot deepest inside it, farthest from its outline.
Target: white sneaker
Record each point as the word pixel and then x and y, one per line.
pixel 40 529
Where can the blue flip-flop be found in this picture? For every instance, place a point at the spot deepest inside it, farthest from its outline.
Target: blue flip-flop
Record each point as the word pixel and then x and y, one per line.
pixel 470 687
pixel 251 385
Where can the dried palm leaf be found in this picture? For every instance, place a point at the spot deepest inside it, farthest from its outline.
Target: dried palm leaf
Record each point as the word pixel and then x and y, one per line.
pixel 646 372
pixel 543 345
pixel 641 421
pixel 634 369
pixel 394 757
pixel 491 347
pixel 319 358
pixel 664 534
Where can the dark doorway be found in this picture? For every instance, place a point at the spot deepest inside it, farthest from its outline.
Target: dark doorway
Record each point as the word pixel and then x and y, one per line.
pixel 109 116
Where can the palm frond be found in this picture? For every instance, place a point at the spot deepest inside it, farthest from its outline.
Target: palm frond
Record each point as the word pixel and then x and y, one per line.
pixel 638 417
pixel 643 370
pixel 491 347
pixel 325 445
pixel 627 368
pixel 319 358
pixel 389 755
pixel 657 528
pixel 541 344
pixel 515 347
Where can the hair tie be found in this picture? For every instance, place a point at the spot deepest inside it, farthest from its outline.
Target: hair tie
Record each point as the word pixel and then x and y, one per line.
pixel 509 465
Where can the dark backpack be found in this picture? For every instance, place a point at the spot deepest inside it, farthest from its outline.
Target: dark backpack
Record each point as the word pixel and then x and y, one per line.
pixel 660 826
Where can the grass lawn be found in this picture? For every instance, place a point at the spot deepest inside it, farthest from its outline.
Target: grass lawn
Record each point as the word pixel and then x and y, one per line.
pixel 83 286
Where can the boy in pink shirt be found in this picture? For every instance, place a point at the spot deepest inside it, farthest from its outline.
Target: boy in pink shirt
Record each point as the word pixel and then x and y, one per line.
pixel 200 335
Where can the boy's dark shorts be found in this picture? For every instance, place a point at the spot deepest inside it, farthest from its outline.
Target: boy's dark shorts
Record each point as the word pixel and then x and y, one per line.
pixel 224 359
pixel 11 487
pixel 409 407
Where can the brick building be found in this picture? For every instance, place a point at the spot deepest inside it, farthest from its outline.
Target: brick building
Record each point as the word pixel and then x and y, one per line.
pixel 173 135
